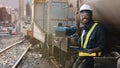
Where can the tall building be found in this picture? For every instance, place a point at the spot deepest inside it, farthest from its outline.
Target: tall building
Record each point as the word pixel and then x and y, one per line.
pixel 21 8
pixel 4 15
pixel 28 10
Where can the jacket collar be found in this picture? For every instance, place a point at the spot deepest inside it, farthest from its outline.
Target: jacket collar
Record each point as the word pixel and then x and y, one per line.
pixel 89 25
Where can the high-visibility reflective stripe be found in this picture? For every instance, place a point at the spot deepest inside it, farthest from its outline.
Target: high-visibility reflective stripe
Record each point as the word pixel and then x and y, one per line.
pixel 82 37
pixel 89 54
pixel 84 45
pixel 88 35
pixel 99 53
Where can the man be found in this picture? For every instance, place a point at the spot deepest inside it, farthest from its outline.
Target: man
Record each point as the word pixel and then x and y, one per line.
pixel 92 40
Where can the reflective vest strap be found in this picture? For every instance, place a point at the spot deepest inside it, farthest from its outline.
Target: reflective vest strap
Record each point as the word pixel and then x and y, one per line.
pixel 88 35
pixel 82 38
pixel 84 44
pixel 90 54
pixel 99 53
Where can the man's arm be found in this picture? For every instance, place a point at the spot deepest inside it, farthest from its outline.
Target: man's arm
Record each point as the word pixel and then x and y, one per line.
pixel 100 40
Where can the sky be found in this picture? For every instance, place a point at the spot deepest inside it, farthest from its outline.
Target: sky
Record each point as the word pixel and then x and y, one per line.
pixel 13 3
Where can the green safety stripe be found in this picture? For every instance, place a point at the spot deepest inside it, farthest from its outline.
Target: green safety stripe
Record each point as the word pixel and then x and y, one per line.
pixel 88 36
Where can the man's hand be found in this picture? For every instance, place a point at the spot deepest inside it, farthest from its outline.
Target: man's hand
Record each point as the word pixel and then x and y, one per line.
pixel 74 42
pixel 90 50
pixel 97 49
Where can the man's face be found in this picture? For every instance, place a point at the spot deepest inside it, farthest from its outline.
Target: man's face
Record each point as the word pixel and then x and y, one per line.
pixel 84 17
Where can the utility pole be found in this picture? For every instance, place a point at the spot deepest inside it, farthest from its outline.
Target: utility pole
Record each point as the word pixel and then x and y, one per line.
pixel 21 13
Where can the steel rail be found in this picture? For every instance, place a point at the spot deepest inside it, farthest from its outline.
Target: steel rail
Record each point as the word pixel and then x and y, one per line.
pixel 8 47
pixel 15 65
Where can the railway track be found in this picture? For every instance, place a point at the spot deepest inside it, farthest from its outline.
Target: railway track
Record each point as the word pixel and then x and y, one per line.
pixel 11 55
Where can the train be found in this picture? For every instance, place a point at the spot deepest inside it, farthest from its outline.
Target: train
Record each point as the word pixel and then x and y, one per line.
pixel 54 20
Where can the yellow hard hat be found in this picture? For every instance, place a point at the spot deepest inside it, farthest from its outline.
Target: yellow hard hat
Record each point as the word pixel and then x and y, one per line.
pixel 85 7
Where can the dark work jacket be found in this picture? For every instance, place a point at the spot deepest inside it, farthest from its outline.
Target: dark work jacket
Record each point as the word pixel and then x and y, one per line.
pixel 97 37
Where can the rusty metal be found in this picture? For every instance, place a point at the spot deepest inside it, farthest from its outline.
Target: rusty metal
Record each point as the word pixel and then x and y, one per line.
pixel 29 33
